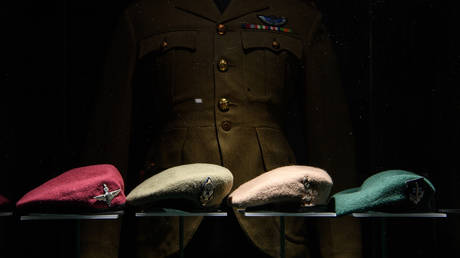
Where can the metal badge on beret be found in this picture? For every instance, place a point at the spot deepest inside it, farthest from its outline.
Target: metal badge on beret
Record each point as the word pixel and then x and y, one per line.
pixel 206 192
pixel 107 197
pixel 415 190
pixel 310 191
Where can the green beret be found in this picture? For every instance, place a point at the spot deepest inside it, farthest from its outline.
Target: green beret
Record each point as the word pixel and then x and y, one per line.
pixel 392 190
pixel 187 186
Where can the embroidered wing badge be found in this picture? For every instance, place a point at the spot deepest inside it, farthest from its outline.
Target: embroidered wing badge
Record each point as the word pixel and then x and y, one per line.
pixel 273 20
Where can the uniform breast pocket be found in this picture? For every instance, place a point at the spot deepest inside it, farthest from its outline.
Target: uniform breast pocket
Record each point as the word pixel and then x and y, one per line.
pixel 266 55
pixel 171 54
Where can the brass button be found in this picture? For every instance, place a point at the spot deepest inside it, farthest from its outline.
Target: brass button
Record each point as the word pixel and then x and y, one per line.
pixel 275 44
pixel 222 64
pixel 221 29
pixel 226 125
pixel 224 104
pixel 164 44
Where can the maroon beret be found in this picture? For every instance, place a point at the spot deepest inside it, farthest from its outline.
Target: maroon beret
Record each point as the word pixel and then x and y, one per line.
pixel 90 188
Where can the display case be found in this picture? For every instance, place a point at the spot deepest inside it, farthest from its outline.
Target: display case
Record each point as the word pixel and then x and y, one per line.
pixel 399 68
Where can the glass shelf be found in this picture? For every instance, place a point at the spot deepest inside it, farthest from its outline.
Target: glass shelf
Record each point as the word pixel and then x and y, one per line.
pixel 373 214
pixel 65 216
pixel 173 212
pixel 370 214
pixel 450 211
pixel 218 213
pixel 287 214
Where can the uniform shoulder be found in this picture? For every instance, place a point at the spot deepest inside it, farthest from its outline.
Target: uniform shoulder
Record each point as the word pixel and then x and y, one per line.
pixel 139 7
pixel 311 3
pixel 302 9
pixel 300 5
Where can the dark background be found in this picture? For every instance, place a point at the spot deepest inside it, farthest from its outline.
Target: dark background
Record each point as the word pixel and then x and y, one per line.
pixel 400 66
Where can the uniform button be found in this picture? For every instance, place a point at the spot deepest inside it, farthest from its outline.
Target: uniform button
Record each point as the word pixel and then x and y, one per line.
pixel 275 44
pixel 164 44
pixel 222 64
pixel 226 125
pixel 224 104
pixel 221 29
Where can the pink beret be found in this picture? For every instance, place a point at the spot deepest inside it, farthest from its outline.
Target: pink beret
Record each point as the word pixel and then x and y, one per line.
pixel 304 185
pixel 90 188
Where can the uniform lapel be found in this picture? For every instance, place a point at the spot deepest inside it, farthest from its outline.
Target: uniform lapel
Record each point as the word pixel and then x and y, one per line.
pixel 239 8
pixel 208 10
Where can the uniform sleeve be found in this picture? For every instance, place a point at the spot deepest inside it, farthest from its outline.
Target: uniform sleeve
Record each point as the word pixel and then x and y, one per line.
pixel 330 143
pixel 109 131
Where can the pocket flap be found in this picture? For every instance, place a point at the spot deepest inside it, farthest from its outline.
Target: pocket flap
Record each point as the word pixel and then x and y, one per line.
pixel 169 40
pixel 264 39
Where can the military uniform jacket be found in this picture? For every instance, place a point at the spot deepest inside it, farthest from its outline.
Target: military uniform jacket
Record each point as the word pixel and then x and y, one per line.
pixel 222 88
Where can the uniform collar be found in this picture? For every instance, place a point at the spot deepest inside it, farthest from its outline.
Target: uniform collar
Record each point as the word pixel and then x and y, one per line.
pixel 208 10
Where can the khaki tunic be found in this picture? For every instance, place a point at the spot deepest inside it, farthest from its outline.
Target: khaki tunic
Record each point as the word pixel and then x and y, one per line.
pixel 190 68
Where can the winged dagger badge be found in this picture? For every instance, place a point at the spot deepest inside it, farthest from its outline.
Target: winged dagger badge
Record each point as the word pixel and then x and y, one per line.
pixel 107 197
pixel 416 194
pixel 207 191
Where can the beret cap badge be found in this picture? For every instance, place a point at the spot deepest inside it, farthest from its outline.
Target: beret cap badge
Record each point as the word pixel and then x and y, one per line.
pixel 309 192
pixel 207 192
pixel 416 190
pixel 107 197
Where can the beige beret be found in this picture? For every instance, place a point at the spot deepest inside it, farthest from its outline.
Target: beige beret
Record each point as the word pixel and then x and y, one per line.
pixel 201 185
pixel 307 186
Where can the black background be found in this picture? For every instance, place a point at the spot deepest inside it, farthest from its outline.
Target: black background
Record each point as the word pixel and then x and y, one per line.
pixel 400 66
